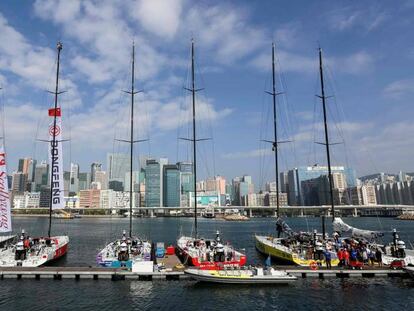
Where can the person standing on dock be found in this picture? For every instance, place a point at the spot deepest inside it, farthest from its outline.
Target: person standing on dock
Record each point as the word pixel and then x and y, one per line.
pixel 328 258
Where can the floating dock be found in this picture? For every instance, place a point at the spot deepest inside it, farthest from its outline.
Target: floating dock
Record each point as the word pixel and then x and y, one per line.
pixel 79 273
pixel 322 273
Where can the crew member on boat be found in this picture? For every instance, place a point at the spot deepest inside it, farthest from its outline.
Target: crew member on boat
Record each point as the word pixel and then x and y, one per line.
pixel 20 250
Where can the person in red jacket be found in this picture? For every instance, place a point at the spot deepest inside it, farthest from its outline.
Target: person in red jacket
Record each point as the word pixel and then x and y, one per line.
pixel 346 257
pixel 340 257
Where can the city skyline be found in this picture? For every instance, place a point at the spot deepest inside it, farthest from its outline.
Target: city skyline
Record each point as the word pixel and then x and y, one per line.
pixel 234 64
pixel 22 167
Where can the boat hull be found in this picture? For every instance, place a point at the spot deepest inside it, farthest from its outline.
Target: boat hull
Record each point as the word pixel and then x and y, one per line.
pixel 108 257
pixel 41 255
pixel 195 261
pixel 283 254
pixel 238 277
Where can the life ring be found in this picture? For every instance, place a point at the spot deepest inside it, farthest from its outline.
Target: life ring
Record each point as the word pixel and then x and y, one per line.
pixel 313 265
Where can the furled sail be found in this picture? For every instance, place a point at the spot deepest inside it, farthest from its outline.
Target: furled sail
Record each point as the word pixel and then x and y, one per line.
pixel 340 226
pixel 5 212
pixel 55 159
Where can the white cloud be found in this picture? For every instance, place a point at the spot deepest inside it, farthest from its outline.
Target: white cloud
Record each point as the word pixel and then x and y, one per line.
pixel 160 17
pixel 400 88
pixel 224 30
pixel 19 57
pixel 356 63
pixel 350 17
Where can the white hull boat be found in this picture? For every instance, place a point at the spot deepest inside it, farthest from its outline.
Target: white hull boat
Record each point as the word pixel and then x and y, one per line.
pixel 112 255
pixel 42 251
pixel 209 253
pixel 242 276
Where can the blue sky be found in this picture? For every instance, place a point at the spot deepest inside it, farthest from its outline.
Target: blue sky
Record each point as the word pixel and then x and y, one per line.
pixel 368 51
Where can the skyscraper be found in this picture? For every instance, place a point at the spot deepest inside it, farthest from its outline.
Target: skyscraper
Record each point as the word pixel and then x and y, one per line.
pixel 118 164
pixel 297 175
pixel 186 182
pixel 84 181
pixel 74 178
pixel 95 167
pixel 153 184
pixel 41 175
pixel 19 182
pixel 102 178
pixel 171 185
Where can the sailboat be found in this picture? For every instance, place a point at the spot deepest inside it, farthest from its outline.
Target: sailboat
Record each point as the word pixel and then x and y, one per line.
pixel 298 248
pixel 128 251
pixel 33 252
pixel 208 254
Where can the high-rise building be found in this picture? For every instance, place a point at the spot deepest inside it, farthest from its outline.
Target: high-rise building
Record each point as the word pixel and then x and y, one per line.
pixel 95 167
pixel 235 184
pixel 107 199
pixel 300 174
pixel 90 198
pixel 84 181
pixel 44 201
pixel 245 187
pixel 186 182
pixel 102 178
pixel 270 199
pixel 74 178
pixel 153 183
pixel 135 181
pixel 24 164
pixel 118 164
pixel 171 185
pixel 270 186
pixel 66 183
pixel 19 182
pixel 41 175
pixel 368 195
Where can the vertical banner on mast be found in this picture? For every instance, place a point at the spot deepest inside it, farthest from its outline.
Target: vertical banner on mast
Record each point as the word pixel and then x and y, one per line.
pixel 5 212
pixel 56 160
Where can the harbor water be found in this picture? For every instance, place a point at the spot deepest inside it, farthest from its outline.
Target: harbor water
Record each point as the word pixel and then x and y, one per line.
pixel 89 235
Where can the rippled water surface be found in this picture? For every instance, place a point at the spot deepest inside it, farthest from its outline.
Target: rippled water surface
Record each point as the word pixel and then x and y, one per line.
pixel 89 235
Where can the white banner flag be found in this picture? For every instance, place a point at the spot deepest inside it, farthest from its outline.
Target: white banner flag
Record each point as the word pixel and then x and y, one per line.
pixel 56 163
pixel 5 212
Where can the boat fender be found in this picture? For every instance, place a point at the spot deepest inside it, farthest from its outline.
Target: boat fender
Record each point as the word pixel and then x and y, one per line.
pixel 314 265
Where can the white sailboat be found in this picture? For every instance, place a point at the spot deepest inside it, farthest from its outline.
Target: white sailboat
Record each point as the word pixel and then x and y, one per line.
pixel 33 252
pixel 204 253
pixel 128 251
pixel 303 248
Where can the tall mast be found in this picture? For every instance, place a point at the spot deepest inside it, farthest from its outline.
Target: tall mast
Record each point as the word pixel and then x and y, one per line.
pixel 275 145
pixel 193 91
pixel 132 139
pixel 53 147
pixel 323 97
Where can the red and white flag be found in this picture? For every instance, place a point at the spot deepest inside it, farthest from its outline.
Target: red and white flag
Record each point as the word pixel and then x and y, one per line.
pixel 53 112
pixel 5 211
